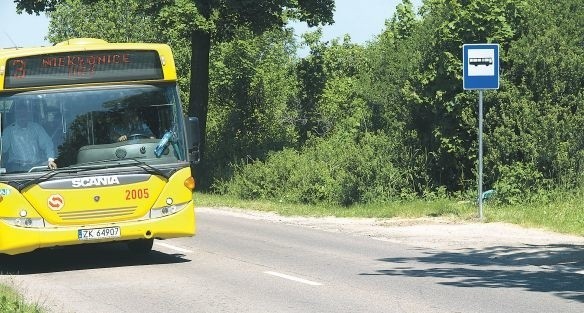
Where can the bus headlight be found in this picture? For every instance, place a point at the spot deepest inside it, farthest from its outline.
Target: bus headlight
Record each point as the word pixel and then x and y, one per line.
pixel 167 210
pixel 27 222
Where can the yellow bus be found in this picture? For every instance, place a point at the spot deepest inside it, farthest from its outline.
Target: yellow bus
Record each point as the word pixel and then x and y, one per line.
pixel 95 146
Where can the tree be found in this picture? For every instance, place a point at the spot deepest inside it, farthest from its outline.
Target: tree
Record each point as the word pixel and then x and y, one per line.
pixel 217 20
pixel 116 22
pixel 312 80
pixel 536 123
pixel 442 114
pixel 208 21
pixel 252 87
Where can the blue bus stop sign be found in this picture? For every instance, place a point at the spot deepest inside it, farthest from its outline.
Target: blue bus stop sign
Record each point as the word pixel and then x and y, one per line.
pixel 480 66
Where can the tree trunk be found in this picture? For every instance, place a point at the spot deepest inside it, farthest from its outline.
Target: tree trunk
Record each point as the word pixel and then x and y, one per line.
pixel 199 85
pixel 199 88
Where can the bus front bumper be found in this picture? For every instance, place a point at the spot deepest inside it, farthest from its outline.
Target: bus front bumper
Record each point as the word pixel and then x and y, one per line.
pixel 18 239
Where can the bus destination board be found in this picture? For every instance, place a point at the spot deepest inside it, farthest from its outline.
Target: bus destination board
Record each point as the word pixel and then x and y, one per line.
pixel 82 67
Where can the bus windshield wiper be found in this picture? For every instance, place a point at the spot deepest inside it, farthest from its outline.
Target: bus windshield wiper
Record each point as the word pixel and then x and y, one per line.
pixel 48 176
pixel 120 162
pixel 148 168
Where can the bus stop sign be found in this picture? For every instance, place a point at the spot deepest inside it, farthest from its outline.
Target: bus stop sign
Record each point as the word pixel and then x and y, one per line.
pixel 480 65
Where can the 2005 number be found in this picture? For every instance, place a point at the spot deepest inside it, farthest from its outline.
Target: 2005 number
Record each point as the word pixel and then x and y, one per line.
pixel 137 194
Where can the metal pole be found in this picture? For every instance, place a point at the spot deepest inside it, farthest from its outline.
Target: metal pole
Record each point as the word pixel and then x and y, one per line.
pixel 481 155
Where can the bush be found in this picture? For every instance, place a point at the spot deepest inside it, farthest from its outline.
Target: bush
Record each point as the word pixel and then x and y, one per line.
pixel 518 182
pixel 336 170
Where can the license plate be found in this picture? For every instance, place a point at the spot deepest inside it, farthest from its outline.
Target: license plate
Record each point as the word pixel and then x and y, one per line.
pixel 98 233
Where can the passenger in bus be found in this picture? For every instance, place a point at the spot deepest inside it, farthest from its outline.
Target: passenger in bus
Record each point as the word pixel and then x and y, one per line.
pixel 132 127
pixel 26 144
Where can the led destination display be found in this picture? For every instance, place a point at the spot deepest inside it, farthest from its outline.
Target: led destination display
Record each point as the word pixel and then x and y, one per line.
pixel 82 67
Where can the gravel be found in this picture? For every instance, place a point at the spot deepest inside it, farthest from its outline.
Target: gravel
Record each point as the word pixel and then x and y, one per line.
pixel 432 233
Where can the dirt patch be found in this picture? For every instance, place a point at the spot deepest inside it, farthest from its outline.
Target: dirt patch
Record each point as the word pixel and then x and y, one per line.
pixel 434 233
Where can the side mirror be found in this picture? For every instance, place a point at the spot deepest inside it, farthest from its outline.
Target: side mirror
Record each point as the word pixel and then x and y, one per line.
pixel 194 139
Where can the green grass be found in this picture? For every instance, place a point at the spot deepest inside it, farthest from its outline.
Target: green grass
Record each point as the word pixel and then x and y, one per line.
pixel 11 301
pixel 563 215
pixel 405 209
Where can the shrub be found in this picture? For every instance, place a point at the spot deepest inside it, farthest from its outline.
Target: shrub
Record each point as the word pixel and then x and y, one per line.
pixel 337 170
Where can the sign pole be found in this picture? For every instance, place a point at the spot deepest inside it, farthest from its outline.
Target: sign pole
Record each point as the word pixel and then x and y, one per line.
pixel 480 71
pixel 481 154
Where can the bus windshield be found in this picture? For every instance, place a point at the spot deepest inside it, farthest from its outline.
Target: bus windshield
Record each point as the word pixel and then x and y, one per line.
pixel 88 125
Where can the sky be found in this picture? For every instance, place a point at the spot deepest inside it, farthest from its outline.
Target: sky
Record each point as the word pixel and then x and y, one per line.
pixel 24 30
pixel 362 20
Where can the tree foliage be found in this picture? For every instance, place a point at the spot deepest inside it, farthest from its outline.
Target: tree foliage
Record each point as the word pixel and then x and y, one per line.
pixel 252 88
pixel 407 86
pixel 215 21
pixel 118 21
pixel 383 121
pixel 537 119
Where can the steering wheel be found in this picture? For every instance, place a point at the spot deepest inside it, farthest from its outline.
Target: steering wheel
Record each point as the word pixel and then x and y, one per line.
pixel 137 136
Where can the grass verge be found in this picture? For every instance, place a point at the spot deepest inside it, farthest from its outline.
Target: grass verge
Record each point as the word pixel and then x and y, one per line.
pixel 11 301
pixel 562 216
pixel 410 209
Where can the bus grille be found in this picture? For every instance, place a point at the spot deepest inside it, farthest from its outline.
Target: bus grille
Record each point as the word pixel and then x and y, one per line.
pixel 97 214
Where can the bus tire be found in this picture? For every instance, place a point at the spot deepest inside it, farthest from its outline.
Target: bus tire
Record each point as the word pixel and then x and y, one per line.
pixel 140 246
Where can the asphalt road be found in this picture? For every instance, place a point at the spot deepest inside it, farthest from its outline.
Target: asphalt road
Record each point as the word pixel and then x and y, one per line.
pixel 245 265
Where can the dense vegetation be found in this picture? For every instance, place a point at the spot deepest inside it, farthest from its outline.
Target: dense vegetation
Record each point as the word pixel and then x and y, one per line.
pixel 382 122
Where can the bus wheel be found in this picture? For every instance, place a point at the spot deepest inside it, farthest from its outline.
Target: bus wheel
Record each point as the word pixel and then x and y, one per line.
pixel 140 246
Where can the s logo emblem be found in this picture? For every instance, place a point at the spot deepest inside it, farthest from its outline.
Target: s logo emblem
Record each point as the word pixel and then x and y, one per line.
pixel 55 202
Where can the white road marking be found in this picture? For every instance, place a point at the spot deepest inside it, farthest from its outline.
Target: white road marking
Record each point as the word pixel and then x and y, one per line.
pixel 173 247
pixel 300 280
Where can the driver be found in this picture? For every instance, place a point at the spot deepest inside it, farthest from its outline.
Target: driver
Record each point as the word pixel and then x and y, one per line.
pixel 133 125
pixel 25 143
